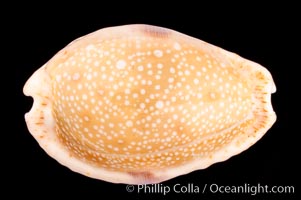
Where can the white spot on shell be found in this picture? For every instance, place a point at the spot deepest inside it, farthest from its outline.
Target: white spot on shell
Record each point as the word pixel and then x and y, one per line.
pixel 142 91
pixel 158 53
pixel 120 64
pixel 177 46
pixel 129 123
pixel 76 76
pixel 140 68
pixel 196 81
pixel 90 47
pixel 58 78
pixel 159 104
pixel 142 105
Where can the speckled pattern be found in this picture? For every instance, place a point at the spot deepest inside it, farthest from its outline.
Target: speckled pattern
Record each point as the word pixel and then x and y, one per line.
pixel 148 103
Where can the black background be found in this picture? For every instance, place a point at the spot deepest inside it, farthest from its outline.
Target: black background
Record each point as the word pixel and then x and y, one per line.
pixel 265 34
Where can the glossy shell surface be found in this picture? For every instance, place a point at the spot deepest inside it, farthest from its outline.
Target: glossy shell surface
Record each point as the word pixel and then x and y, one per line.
pixel 143 104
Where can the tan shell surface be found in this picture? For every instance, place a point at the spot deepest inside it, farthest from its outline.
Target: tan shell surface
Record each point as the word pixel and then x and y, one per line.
pixel 143 104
